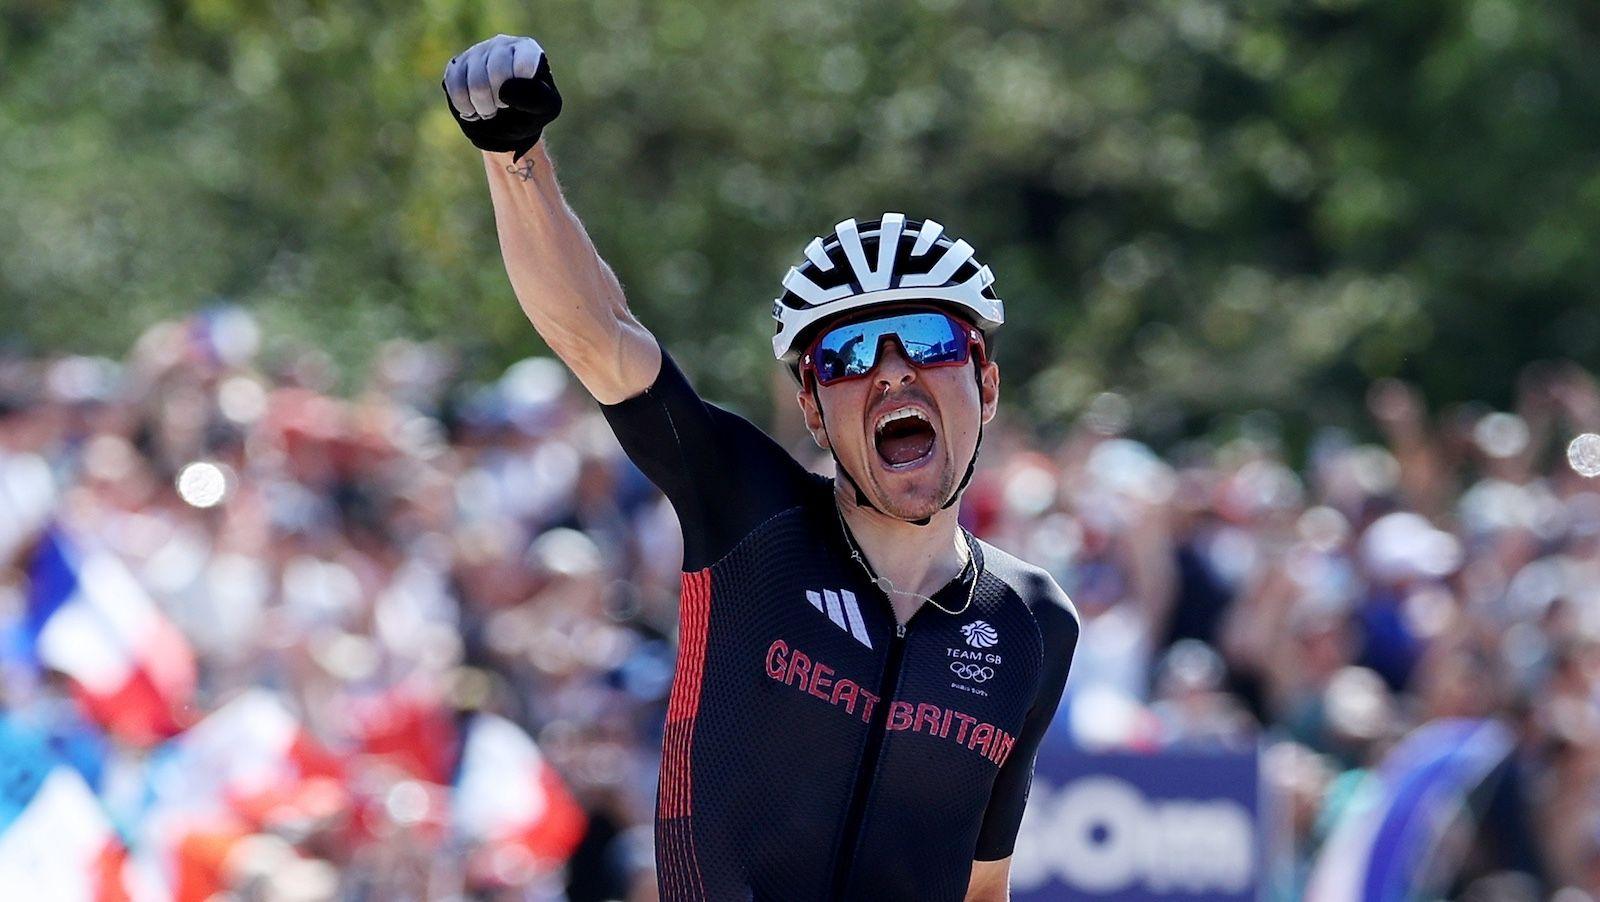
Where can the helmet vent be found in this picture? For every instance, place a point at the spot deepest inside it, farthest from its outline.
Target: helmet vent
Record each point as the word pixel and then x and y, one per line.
pixel 889 260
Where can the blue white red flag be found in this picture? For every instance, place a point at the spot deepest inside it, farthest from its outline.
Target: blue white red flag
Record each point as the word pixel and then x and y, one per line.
pixel 88 618
pixel 60 845
pixel 250 765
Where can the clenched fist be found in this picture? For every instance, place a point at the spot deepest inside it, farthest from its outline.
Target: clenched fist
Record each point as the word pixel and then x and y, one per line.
pixel 502 93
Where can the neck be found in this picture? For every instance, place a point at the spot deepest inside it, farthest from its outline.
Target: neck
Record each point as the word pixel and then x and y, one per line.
pixel 918 560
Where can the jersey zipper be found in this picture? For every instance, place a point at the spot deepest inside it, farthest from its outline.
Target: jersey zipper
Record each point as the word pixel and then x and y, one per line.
pixel 867 774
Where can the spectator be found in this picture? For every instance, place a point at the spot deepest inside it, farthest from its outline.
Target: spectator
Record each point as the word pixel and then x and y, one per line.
pixel 389 564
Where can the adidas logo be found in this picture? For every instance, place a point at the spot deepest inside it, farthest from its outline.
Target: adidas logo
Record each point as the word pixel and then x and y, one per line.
pixel 842 609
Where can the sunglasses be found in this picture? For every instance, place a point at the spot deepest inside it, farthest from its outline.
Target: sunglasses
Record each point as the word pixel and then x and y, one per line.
pixel 927 338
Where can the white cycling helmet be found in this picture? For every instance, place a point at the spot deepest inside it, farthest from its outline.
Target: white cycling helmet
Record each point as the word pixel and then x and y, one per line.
pixel 892 260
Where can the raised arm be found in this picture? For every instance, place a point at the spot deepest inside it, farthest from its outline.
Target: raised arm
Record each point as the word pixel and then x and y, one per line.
pixel 568 293
pixel 502 94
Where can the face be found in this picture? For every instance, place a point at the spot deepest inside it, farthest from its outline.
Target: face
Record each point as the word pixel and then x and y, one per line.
pixel 905 435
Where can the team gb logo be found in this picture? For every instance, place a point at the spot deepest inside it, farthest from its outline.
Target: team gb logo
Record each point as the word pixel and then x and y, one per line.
pixel 980 634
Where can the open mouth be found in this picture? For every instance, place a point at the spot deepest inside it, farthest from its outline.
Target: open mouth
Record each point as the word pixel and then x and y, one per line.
pixel 903 437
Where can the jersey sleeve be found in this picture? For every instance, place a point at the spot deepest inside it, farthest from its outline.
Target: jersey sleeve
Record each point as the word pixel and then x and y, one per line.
pixel 723 475
pixel 1058 624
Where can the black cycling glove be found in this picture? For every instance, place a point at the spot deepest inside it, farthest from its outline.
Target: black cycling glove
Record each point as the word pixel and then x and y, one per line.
pixel 531 104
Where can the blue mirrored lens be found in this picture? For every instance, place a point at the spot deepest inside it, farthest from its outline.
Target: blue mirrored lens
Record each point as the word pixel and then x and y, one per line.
pixel 852 349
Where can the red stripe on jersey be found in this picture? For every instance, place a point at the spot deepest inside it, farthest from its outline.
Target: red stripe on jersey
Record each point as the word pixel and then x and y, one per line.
pixel 694 616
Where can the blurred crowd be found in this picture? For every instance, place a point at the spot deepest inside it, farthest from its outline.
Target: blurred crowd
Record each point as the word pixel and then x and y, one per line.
pixel 1446 565
pixel 486 547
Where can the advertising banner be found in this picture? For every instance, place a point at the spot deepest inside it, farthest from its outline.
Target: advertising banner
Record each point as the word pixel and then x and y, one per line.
pixel 1137 827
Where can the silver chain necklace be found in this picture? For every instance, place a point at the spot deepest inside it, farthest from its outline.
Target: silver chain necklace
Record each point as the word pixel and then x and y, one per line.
pixel 887 586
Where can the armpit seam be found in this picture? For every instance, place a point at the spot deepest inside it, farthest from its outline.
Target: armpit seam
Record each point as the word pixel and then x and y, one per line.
pixel 1038 633
pixel 677 442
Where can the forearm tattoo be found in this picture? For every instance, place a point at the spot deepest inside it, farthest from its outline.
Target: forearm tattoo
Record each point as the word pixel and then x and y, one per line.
pixel 522 170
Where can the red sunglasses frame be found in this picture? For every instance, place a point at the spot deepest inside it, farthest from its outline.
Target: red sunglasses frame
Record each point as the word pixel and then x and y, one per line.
pixel 975 343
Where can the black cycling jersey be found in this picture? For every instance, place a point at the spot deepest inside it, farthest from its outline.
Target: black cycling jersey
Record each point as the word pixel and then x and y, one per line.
pixel 814 749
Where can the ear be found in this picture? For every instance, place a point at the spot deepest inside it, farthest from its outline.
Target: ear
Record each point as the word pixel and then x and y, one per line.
pixel 989 389
pixel 813 416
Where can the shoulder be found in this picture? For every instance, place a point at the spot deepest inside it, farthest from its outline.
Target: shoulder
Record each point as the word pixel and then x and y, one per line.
pixel 724 476
pixel 1040 594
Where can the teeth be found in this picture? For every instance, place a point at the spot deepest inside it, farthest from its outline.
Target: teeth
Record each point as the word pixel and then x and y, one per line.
pixel 899 414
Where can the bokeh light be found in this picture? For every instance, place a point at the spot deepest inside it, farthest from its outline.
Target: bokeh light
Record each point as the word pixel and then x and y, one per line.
pixel 202 484
pixel 1583 454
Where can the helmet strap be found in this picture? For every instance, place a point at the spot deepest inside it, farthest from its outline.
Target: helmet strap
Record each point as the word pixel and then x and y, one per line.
pixel 972 465
pixel 838 465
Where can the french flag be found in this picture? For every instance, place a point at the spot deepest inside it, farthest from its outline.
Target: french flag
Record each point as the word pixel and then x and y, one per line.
pixel 508 799
pixel 61 845
pixel 250 758
pixel 250 765
pixel 89 619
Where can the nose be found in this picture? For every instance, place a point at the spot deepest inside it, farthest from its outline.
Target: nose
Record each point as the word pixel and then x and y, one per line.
pixel 893 368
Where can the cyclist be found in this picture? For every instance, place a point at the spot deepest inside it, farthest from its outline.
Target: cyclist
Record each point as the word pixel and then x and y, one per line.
pixel 861 684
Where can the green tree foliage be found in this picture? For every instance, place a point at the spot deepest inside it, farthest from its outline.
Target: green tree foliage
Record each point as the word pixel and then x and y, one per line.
pixel 1211 205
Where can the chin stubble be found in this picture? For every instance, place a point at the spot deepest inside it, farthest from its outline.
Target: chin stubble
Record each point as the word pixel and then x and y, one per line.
pixel 947 484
